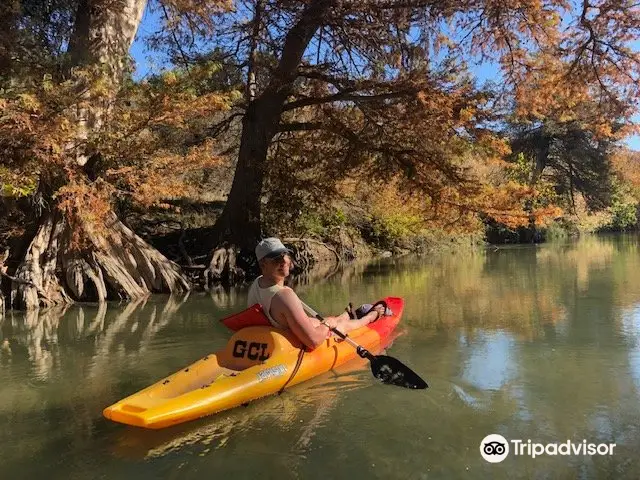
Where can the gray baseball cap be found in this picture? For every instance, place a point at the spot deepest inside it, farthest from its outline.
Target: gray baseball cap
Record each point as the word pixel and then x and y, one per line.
pixel 270 248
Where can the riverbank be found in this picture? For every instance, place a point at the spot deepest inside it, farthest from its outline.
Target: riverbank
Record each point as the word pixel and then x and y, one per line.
pixel 191 247
pixel 322 240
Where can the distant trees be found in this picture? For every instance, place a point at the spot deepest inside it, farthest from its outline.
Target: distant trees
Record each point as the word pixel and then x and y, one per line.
pixel 571 159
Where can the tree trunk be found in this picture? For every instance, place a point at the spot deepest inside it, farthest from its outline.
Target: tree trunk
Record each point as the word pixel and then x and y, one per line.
pixel 8 39
pixel 240 221
pixel 3 272
pixel 573 200
pixel 103 33
pixel 113 261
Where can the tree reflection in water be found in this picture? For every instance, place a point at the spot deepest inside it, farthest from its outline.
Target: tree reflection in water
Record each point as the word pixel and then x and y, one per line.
pixel 535 342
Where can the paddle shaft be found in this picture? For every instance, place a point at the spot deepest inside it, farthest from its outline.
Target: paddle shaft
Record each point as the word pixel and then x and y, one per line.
pixel 363 352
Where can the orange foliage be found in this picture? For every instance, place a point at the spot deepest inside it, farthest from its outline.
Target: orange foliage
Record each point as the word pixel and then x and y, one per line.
pixel 588 73
pixel 545 93
pixel 39 137
pixel 194 13
pixel 626 164
pixel 86 207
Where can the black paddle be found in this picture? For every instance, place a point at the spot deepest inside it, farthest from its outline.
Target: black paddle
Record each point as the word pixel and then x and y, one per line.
pixel 386 369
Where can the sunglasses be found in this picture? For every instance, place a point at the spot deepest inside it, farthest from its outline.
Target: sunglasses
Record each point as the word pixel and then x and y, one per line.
pixel 280 258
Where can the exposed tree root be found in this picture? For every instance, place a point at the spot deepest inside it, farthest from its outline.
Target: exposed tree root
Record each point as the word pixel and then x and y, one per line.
pixel 303 257
pixel 116 264
pixel 230 265
pixel 223 266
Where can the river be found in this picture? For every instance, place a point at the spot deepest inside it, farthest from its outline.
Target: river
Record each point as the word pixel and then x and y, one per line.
pixel 536 343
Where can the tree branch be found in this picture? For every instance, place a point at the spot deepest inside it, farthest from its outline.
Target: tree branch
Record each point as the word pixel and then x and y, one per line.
pixel 347 96
pixel 175 38
pixel 314 74
pixel 300 126
pixel 295 44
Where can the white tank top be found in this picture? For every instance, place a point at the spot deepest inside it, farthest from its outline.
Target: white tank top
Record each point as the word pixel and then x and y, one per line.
pixel 263 296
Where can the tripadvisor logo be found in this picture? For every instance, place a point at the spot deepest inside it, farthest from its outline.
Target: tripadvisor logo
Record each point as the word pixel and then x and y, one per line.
pixel 494 448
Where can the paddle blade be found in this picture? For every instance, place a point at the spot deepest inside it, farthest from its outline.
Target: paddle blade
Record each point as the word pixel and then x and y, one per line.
pixel 393 372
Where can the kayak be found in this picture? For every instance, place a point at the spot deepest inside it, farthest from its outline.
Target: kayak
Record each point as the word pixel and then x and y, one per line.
pixel 257 361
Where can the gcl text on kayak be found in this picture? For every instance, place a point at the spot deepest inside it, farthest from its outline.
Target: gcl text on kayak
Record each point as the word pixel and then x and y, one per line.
pixel 251 350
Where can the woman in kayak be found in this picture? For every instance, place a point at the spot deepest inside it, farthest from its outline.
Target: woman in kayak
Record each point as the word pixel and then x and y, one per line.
pixel 282 306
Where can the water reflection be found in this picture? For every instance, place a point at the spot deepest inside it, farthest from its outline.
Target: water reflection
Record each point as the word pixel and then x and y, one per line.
pixel 224 297
pixel 491 363
pixel 532 342
pixel 305 409
pixel 631 329
pixel 42 333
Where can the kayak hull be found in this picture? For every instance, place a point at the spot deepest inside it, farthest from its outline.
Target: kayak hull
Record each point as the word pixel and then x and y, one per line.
pixel 258 361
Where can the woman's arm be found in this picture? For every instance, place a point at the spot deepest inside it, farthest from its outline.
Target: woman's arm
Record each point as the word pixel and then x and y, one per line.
pixel 287 306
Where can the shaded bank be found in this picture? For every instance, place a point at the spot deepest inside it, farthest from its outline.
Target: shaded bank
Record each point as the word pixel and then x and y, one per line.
pixel 174 235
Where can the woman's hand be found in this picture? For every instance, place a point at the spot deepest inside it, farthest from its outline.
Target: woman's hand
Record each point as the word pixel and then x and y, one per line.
pixel 331 322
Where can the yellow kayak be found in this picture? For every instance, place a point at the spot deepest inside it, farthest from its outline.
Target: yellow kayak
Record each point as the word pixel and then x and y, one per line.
pixel 257 361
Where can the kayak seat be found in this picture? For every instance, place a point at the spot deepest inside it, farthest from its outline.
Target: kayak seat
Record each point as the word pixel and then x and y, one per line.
pixel 252 316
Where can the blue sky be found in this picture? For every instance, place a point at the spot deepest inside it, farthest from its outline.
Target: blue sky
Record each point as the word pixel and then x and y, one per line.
pixel 150 62
pixel 146 62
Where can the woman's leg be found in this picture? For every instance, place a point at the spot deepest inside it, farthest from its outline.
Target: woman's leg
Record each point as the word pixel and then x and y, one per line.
pixel 347 324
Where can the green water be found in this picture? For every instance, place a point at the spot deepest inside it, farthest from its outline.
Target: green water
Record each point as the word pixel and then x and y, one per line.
pixel 536 343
